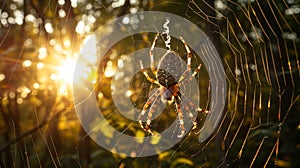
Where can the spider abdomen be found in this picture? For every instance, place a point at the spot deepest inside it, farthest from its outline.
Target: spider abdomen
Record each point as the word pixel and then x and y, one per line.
pixel 169 69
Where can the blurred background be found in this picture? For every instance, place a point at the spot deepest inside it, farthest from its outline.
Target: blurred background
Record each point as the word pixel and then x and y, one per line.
pixel 40 42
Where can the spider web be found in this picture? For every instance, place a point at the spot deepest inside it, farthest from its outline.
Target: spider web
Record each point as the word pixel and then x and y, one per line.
pixel 258 44
pixel 263 73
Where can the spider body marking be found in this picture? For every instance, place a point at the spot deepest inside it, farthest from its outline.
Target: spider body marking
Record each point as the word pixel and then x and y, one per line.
pixel 169 76
pixel 169 69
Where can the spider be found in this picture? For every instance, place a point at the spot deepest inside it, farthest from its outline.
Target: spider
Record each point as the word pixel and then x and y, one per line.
pixel 169 78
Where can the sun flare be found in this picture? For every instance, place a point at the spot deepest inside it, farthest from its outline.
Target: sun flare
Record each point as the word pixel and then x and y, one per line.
pixel 66 71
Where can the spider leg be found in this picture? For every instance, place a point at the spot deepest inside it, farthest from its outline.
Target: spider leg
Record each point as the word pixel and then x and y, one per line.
pixel 189 54
pixel 196 72
pixel 185 74
pixel 180 116
pixel 150 114
pixel 152 100
pixel 151 55
pixel 147 76
pixel 189 105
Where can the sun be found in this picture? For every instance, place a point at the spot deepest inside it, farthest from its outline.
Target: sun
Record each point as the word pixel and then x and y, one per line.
pixel 66 70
